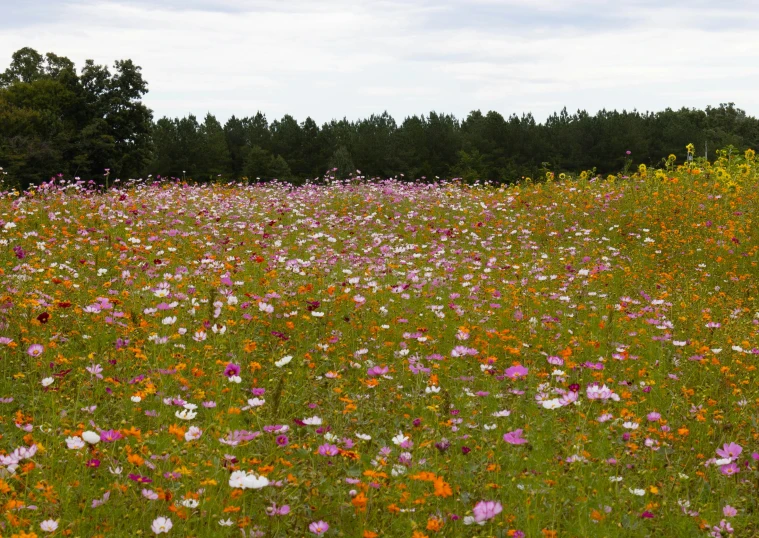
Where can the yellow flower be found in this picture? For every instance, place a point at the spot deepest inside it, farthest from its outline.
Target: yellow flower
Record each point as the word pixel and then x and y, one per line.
pixel 750 154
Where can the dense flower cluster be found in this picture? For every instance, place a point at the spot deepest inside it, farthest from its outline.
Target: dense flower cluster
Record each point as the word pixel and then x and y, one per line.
pixel 570 358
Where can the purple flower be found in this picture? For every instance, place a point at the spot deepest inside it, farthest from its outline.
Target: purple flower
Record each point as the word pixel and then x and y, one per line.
pixel 282 440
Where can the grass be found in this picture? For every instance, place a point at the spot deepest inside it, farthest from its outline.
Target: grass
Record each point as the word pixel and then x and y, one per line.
pixel 412 313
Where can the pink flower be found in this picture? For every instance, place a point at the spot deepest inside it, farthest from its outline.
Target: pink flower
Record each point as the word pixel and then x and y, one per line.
pixel 377 371
pixel 275 510
pixel 516 372
pixel 730 450
pixel 729 470
pixel 35 350
pixel 318 527
pixel 729 511
pixel 514 438
pixel 485 510
pixel 328 450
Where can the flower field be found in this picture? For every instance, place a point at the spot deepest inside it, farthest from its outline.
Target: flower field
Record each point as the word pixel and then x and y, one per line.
pixel 570 358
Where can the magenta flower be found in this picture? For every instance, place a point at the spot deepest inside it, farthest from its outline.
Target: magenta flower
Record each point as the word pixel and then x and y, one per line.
pixel 232 369
pixel 730 450
pixel 514 438
pixel 318 527
pixel 35 350
pixel 282 440
pixel 515 372
pixel 109 436
pixel 485 510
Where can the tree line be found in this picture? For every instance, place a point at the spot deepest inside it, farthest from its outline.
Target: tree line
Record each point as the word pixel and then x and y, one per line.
pixel 55 119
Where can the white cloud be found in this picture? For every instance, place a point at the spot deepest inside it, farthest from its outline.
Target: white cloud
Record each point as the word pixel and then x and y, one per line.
pixel 336 58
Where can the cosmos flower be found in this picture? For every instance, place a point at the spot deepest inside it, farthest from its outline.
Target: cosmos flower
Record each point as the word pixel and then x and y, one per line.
pixel 318 527
pixel 514 438
pixel 485 510
pixel 161 525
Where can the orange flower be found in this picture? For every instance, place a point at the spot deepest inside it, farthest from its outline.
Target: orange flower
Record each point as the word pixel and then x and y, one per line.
pixel 359 502
pixel 442 488
pixel 434 524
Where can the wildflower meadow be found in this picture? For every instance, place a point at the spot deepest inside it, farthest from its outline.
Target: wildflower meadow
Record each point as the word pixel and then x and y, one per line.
pixel 574 356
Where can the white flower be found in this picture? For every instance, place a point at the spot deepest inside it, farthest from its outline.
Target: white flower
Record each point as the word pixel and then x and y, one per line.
pixel 75 443
pixel 284 360
pixel 400 438
pixel 638 492
pixel 243 480
pixel 49 525
pixel 615 478
pixel 503 413
pixel 723 461
pixel 115 470
pixel 48 381
pixel 256 402
pixel 432 389
pixel 630 425
pixel 91 437
pixel 186 414
pixel 317 314
pixel 226 522
pixel 136 399
pixel 237 479
pixel 169 320
pixel 234 379
pixel 161 525
pixel 193 433
pixel 331 437
pixel 263 307
pixel 551 404
pixel 490 426
pixel 313 421
pixel 199 336
pixel 364 437
pixel 190 503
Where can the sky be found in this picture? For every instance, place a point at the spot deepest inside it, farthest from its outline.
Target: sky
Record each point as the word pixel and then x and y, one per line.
pixel 330 59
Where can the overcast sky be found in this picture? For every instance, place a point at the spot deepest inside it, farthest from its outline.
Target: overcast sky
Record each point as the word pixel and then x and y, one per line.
pixel 350 58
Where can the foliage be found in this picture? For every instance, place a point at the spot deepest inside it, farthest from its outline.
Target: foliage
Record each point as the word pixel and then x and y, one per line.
pixel 55 121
